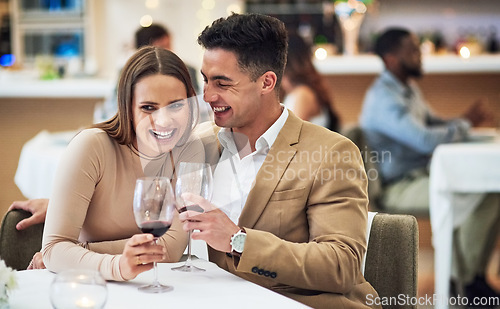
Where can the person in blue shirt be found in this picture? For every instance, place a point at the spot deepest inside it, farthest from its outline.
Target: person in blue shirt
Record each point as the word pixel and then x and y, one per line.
pixel 396 120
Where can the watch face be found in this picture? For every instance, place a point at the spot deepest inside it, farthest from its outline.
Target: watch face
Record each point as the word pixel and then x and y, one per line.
pixel 238 242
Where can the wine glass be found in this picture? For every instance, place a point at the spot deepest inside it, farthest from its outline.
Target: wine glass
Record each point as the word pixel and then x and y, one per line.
pixel 194 178
pixel 154 206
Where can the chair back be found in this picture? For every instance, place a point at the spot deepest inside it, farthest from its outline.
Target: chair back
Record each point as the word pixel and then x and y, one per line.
pixel 355 134
pixel 392 256
pixel 18 247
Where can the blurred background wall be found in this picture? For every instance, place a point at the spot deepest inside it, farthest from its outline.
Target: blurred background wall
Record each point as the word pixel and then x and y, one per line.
pixel 117 20
pixel 110 26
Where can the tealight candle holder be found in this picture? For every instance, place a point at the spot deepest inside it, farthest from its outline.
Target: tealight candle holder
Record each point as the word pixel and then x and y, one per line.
pixel 78 289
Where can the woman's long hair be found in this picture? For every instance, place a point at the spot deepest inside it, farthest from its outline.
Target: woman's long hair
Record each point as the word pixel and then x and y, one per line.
pixel 300 70
pixel 146 61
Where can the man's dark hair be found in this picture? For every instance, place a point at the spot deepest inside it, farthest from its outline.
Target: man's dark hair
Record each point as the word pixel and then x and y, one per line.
pixel 390 41
pixel 259 42
pixel 147 35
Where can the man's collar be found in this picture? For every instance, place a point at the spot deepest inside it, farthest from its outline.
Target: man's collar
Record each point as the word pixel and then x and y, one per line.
pixel 265 141
pixel 395 83
pixel 268 138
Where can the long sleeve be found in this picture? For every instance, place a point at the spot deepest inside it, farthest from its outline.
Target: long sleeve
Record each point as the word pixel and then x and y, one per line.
pixel 408 120
pixel 92 202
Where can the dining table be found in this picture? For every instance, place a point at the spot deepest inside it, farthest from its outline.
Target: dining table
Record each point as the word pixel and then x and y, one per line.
pixel 461 174
pixel 213 288
pixel 38 162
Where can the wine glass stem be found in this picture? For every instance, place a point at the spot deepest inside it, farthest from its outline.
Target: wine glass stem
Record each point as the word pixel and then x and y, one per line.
pixel 155 268
pixel 188 260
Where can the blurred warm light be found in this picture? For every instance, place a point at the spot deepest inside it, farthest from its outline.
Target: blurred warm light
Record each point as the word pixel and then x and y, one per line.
pixel 152 4
pixel 464 52
pixel 469 49
pixel 146 21
pixel 320 53
pixel 234 8
pixel 208 4
pixel 202 15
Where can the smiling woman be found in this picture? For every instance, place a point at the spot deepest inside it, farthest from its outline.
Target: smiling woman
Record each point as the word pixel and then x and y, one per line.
pixel 90 222
pixel 162 114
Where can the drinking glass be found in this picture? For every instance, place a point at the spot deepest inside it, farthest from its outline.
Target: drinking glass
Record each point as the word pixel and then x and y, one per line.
pixel 194 178
pixel 78 288
pixel 154 206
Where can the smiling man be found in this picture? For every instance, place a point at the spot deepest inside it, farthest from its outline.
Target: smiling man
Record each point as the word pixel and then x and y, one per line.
pixel 285 213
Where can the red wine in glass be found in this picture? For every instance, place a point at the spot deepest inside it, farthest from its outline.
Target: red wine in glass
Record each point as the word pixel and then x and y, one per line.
pixel 155 227
pixel 193 207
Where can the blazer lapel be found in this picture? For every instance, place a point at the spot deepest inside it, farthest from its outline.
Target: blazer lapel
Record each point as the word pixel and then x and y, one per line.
pixel 272 170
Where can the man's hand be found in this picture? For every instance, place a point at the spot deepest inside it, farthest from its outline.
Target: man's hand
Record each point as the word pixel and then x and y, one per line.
pixel 479 113
pixel 38 209
pixel 215 228
pixel 139 254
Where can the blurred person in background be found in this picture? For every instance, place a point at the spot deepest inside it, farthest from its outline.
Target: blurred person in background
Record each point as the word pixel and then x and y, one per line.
pixel 305 90
pixel 158 35
pixel 396 119
pixel 154 35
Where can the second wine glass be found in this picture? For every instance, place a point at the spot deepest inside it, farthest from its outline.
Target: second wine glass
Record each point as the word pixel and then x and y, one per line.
pixel 193 178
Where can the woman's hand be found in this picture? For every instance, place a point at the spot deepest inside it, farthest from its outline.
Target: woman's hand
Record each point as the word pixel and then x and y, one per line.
pixel 139 254
pixel 38 209
pixel 37 262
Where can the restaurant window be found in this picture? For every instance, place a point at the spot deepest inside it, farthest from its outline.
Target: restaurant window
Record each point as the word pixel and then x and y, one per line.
pixel 55 29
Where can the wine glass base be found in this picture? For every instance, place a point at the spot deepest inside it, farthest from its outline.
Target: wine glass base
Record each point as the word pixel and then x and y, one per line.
pixel 188 268
pixel 155 288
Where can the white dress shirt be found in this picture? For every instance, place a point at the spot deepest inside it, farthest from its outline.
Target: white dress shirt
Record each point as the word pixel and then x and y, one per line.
pixel 234 174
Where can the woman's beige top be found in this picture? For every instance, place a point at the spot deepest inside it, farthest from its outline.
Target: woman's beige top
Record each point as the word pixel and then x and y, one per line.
pixel 90 216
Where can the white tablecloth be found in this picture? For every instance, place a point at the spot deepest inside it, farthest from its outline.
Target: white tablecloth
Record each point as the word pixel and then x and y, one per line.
pixel 38 163
pixel 460 176
pixel 214 288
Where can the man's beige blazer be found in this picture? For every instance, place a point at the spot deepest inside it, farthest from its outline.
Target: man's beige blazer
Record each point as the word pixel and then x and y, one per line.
pixel 305 218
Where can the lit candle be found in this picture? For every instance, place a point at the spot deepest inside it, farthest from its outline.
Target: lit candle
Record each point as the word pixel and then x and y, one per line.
pixel 85 302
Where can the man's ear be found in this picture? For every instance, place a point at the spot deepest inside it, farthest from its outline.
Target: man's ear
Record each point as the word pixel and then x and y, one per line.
pixel 269 80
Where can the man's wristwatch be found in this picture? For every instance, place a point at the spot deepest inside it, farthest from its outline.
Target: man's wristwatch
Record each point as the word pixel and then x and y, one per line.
pixel 238 242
